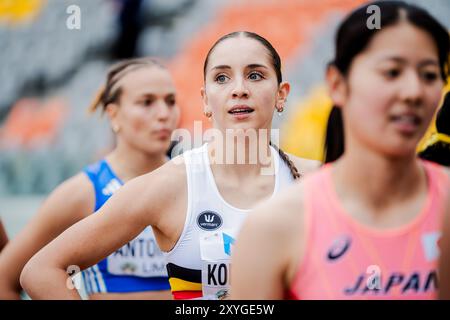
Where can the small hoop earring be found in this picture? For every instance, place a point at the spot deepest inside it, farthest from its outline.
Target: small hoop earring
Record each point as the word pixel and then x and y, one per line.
pixel 280 110
pixel 208 114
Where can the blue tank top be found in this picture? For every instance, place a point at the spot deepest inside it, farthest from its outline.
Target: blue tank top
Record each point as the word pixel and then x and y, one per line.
pixel 137 266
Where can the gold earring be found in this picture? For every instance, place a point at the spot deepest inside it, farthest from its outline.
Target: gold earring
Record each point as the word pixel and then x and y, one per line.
pixel 207 114
pixel 280 109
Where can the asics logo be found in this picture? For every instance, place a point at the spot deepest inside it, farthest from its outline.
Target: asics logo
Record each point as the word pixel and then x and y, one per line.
pixel 339 248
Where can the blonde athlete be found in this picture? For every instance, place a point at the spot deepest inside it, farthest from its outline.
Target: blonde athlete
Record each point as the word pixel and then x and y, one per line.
pixel 139 97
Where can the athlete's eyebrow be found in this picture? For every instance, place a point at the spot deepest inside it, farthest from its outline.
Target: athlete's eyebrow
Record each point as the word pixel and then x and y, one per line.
pixel 219 67
pixel 250 66
pixel 170 95
pixel 256 65
pixel 427 62
pixel 422 63
pixel 149 95
pixel 146 95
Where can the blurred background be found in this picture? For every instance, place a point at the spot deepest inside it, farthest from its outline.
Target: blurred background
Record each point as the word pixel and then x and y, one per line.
pixel 50 71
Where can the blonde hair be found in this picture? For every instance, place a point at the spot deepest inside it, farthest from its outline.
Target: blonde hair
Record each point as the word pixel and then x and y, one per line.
pixel 110 92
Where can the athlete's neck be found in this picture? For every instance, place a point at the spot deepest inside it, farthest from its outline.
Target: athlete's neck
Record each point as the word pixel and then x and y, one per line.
pixel 381 181
pixel 129 163
pixel 241 158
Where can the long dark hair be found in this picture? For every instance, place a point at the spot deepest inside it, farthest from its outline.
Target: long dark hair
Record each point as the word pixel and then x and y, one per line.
pixel 353 36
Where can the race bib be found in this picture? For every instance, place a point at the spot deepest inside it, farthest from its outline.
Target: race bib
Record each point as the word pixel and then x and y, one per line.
pixel 140 257
pixel 215 248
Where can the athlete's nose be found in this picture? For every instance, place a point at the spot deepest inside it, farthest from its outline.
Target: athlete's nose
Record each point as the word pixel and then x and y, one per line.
pixel 240 89
pixel 412 89
pixel 163 111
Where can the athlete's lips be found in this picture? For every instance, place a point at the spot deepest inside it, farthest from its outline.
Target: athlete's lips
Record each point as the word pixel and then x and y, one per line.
pixel 241 109
pixel 164 132
pixel 406 122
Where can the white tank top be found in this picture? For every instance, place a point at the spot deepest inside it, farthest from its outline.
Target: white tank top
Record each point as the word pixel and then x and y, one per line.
pixel 199 263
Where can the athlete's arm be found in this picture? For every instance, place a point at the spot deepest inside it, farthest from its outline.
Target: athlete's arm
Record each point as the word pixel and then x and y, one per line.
pixel 268 248
pixel 444 262
pixel 67 204
pixel 145 200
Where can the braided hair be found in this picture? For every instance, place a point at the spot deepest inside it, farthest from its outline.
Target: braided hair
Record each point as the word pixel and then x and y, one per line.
pixel 294 171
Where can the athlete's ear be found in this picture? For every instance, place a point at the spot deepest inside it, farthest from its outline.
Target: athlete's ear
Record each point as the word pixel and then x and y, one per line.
pixel 283 91
pixel 337 86
pixel 206 109
pixel 112 109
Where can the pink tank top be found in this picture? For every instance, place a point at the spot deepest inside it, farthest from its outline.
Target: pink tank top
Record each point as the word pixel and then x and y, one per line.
pixel 347 260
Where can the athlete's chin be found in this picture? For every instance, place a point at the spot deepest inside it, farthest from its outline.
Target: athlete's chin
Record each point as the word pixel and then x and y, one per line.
pixel 157 147
pixel 395 144
pixel 245 125
pixel 401 151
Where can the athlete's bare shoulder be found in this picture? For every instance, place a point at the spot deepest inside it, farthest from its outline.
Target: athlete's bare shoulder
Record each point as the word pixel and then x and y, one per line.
pixel 271 241
pixel 169 174
pixel 160 198
pixel 163 185
pixel 283 214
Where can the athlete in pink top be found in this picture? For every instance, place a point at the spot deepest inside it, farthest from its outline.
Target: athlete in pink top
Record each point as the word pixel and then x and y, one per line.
pixel 444 265
pixel 367 225
pixel 349 259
